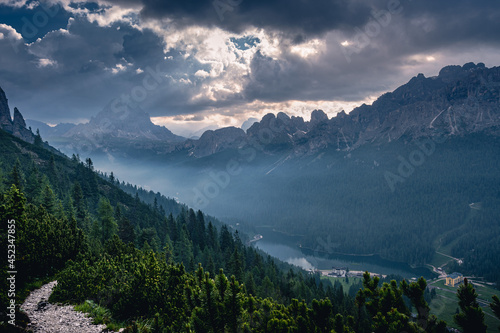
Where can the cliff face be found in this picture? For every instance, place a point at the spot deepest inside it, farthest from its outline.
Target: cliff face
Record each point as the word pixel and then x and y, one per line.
pixel 212 142
pixel 16 127
pixel 5 120
pixel 19 128
pixel 461 100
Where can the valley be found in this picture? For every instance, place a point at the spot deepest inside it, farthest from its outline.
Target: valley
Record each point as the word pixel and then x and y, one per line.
pixel 286 202
pixel 236 166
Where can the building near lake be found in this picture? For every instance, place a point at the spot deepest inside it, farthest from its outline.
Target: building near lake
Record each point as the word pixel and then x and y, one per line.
pixel 454 279
pixel 338 271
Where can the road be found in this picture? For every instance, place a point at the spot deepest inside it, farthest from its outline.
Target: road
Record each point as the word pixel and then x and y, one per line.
pixel 458 260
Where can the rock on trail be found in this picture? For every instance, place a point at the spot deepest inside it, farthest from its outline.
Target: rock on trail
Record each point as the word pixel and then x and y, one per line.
pixel 48 318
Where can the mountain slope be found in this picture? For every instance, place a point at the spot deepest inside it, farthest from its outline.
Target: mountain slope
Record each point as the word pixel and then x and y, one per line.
pixel 15 126
pixel 68 215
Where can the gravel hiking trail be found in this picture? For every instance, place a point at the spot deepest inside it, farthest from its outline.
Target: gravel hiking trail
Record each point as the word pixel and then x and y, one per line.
pixel 51 318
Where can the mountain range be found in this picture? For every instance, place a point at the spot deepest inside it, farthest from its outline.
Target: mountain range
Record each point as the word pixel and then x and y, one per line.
pixel 460 100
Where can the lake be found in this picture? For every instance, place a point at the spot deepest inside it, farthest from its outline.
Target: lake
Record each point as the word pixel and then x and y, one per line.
pixel 285 248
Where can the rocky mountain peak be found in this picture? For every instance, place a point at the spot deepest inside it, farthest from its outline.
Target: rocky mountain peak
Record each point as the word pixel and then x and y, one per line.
pixel 318 116
pixel 283 117
pixel 452 73
pixel 124 122
pixel 214 141
pixel 5 119
pixel 16 127
pixel 18 119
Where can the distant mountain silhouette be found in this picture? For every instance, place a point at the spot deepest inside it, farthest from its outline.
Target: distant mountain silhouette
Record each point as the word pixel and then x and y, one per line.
pixel 460 100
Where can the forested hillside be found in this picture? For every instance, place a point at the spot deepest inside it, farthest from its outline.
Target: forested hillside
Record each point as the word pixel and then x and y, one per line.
pixel 369 200
pixel 157 272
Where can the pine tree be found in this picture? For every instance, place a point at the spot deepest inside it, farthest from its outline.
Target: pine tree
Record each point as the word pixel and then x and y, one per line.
pixel 234 305
pixel 34 182
pixel 2 180
pixel 235 265
pixel 89 164
pixel 48 199
pixel 495 306
pixel 183 249
pixel 53 174
pixel 126 231
pixel 38 139
pixel 321 314
pixel 107 222
pixel 13 206
pixel 168 250
pixel 78 200
pixel 471 317
pixel 16 176
pixel 212 237
pixel 250 286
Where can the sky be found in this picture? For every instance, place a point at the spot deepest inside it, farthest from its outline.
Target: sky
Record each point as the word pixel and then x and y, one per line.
pixel 197 64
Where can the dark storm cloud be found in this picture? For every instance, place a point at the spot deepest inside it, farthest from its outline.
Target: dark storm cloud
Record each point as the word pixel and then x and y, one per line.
pixel 296 17
pixel 373 62
pixel 415 27
pixel 331 78
pixel 73 74
pixel 85 67
pixel 303 19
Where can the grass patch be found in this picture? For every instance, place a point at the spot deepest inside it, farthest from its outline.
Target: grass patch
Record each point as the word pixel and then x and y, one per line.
pixel 445 304
pixel 99 314
pixel 346 284
pixel 444 309
pixel 438 260
pixel 484 291
pixel 446 249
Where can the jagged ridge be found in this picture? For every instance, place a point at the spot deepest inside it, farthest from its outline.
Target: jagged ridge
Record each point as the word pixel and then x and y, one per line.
pixel 16 126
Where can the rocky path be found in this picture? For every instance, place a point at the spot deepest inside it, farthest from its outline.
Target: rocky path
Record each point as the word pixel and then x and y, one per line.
pixel 52 318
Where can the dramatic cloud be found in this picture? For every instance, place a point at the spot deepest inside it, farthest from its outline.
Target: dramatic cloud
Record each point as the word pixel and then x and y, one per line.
pixel 292 17
pixel 215 63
